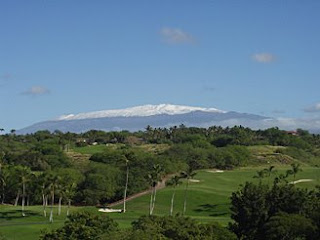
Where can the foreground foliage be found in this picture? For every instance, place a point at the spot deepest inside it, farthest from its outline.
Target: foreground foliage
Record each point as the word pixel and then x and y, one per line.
pixel 280 212
pixel 85 226
pixel 82 226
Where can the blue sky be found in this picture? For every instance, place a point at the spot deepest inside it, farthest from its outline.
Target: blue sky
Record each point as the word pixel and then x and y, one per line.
pixel 59 57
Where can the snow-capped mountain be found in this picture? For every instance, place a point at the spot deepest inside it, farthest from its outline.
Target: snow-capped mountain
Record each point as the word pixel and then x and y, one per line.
pixel 164 115
pixel 140 111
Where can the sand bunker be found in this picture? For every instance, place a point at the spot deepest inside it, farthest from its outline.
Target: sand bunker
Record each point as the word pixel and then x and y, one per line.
pixel 194 180
pixel 109 210
pixel 301 180
pixel 215 171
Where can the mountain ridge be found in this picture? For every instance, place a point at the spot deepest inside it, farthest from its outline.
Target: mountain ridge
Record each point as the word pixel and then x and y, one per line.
pixel 143 110
pixel 165 115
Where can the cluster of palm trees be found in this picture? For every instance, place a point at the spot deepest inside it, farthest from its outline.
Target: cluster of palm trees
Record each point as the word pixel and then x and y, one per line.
pixel 26 183
pixel 154 177
pixel 157 175
pixel 53 186
pixel 267 172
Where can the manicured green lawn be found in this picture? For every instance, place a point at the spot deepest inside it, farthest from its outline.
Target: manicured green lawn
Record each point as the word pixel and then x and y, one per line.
pixel 208 200
pixel 90 149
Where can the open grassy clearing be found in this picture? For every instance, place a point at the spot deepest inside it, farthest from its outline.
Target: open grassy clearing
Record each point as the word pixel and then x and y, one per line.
pixel 208 200
pixel 92 149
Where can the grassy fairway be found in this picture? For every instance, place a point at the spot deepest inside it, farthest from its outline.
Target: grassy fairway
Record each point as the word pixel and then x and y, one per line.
pixel 14 226
pixel 208 200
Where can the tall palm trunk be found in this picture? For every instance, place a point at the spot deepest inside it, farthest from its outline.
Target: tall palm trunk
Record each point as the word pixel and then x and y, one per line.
pixel 172 200
pixel 154 198
pixel 125 190
pixel 17 198
pixel 59 209
pixel 151 202
pixel 23 198
pixel 51 211
pixel 69 204
pixel 44 205
pixel 185 198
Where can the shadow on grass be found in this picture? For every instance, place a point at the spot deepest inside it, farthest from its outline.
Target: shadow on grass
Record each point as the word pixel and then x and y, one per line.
pixel 17 214
pixel 212 209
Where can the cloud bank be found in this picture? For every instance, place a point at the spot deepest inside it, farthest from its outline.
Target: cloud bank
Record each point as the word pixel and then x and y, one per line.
pixel 311 109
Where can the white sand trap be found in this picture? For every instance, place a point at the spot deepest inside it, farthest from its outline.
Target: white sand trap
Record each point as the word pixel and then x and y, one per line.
pixel 109 210
pixel 194 180
pixel 215 171
pixel 301 180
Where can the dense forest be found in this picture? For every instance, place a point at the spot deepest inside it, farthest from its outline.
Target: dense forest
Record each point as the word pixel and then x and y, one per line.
pixel 37 167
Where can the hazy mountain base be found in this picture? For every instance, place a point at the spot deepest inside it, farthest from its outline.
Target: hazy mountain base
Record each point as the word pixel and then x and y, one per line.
pixel 194 119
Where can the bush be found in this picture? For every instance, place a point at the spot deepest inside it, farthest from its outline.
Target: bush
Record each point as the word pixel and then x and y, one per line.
pixel 82 226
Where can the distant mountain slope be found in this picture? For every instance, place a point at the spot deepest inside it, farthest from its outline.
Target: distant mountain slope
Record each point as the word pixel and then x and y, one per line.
pixel 135 123
pixel 163 115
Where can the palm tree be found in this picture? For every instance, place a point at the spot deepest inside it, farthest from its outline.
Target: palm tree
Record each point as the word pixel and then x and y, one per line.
pixel 260 174
pixel 54 183
pixel 295 168
pixel 126 186
pixel 174 181
pixel 43 182
pixel 152 183
pixel 24 174
pixel 269 171
pixel 154 177
pixel 60 191
pixel 4 178
pixel 189 174
pixel 281 178
pixel 69 192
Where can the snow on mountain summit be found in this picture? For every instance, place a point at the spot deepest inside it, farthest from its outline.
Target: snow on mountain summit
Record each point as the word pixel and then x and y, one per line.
pixel 140 111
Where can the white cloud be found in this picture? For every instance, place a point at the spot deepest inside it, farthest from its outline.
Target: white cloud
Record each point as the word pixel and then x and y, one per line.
pixel 36 91
pixel 314 108
pixel 175 36
pixel 304 123
pixel 263 57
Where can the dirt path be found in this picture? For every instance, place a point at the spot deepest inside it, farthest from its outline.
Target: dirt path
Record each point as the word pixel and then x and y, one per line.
pixel 160 185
